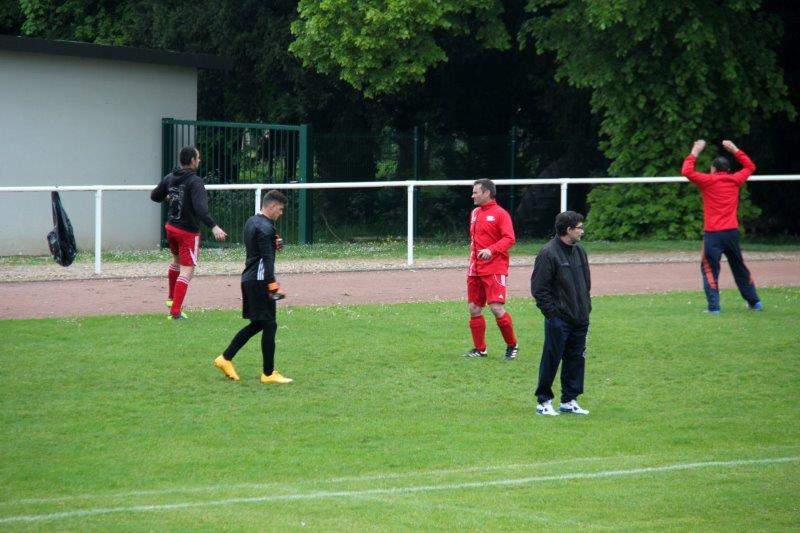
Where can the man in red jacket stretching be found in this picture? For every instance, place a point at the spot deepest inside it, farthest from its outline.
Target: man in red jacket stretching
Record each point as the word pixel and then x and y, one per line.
pixel 720 190
pixel 491 235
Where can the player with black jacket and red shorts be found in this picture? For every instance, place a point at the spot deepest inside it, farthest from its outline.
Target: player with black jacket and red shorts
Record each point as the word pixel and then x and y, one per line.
pixel 720 191
pixel 491 235
pixel 188 202
pixel 260 290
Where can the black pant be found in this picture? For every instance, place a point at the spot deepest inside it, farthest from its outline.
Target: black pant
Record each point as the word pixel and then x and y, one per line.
pixel 267 342
pixel 716 243
pixel 562 341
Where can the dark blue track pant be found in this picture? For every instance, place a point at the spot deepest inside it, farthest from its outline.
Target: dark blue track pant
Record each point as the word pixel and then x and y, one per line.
pixel 562 341
pixel 716 243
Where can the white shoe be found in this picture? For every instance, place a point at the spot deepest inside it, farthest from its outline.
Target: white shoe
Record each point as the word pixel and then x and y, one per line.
pixel 546 408
pixel 573 407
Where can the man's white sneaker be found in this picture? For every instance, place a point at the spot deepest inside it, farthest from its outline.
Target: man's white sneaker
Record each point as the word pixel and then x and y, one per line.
pixel 573 407
pixel 546 409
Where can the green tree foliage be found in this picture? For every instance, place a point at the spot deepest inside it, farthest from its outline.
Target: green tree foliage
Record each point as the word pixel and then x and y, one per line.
pixel 380 46
pixel 11 18
pixel 98 21
pixel 622 212
pixel 662 74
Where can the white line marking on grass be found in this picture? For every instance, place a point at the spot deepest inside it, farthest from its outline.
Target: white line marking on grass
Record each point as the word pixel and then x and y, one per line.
pixel 318 495
pixel 341 479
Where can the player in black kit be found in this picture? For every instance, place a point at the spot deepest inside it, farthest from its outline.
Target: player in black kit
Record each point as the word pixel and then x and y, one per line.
pixel 260 290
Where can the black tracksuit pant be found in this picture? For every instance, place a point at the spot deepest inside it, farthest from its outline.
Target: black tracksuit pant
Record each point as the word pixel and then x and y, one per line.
pixel 562 341
pixel 268 327
pixel 716 243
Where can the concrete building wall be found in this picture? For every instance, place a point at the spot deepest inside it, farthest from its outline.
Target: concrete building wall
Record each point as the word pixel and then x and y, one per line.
pixel 82 121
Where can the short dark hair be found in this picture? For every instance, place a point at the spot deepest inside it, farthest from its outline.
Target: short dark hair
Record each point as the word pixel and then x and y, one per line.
pixel 187 154
pixel 721 163
pixel 487 185
pixel 566 220
pixel 274 196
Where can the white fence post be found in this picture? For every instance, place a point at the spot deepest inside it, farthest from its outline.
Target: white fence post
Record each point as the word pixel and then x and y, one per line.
pixel 98 229
pixel 410 224
pixel 563 196
pixel 258 201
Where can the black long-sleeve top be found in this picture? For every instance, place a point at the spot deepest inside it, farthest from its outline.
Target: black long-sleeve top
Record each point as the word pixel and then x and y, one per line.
pixel 188 200
pixel 560 282
pixel 259 241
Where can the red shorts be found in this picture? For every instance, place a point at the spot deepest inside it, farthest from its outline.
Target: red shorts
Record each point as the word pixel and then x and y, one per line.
pixel 184 244
pixel 486 289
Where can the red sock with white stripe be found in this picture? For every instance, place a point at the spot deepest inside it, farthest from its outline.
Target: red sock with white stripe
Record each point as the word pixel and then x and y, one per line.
pixel 477 325
pixel 181 286
pixel 172 275
pixel 507 329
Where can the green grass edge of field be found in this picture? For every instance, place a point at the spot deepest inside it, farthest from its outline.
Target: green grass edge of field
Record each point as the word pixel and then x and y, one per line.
pixel 396 249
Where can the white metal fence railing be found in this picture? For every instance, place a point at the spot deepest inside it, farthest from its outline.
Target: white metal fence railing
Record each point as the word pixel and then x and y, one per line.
pixel 410 186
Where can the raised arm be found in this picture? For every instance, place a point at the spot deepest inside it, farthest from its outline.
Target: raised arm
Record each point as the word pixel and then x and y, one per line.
pixel 688 169
pixel 748 167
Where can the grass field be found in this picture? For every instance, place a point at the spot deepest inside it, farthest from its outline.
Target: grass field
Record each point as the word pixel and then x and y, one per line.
pixel 396 249
pixel 123 423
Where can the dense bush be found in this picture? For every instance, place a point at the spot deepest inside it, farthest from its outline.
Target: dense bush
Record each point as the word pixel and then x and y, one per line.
pixel 659 211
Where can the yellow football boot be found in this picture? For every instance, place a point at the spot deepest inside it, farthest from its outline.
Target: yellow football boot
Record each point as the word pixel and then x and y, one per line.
pixel 226 367
pixel 275 377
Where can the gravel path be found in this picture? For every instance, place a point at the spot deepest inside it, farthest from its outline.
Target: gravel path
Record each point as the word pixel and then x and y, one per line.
pixel 85 271
pixel 320 283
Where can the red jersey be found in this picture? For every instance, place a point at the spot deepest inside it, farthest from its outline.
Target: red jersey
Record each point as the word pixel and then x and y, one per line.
pixel 720 192
pixel 490 227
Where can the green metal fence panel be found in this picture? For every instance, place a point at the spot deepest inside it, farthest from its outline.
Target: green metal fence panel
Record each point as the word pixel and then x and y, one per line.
pixel 355 214
pixel 417 153
pixel 166 166
pixel 242 153
pixel 305 208
pixel 278 153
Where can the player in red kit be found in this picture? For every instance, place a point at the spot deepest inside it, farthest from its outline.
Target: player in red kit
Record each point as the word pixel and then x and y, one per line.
pixel 720 191
pixel 491 235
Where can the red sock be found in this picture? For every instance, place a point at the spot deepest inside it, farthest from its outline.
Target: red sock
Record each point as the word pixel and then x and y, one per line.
pixel 507 329
pixel 172 275
pixel 477 324
pixel 181 286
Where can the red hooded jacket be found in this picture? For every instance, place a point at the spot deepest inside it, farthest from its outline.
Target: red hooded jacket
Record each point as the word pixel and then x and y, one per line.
pixel 720 192
pixel 490 227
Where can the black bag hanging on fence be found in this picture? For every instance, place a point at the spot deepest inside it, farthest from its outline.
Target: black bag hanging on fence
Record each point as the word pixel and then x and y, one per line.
pixel 61 240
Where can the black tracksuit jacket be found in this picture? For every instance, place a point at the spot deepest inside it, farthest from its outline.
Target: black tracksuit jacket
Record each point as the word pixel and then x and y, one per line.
pixel 259 240
pixel 560 282
pixel 188 200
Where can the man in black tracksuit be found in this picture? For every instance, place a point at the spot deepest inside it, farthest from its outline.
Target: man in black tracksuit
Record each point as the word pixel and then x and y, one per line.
pixel 186 195
pixel 260 290
pixel 560 284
